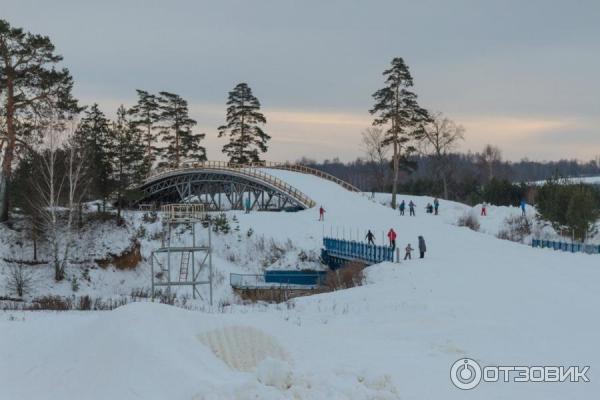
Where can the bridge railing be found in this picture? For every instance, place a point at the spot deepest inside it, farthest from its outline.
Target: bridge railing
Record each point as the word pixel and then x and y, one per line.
pixel 566 246
pixel 264 164
pixel 239 168
pixel 353 250
pixel 312 171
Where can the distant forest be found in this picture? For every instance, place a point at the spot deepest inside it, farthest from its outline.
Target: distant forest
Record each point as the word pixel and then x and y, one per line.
pixel 469 173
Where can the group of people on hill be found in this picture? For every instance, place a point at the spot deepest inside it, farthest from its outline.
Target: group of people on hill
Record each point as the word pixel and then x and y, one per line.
pixel 370 237
pixel 522 206
pixel 429 209
pixel 392 241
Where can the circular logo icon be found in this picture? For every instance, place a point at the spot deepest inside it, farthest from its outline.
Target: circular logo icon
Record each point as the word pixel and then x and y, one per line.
pixel 465 373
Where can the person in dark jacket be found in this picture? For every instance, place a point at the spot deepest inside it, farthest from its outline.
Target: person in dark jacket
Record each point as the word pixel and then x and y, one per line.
pixel 411 208
pixel 402 207
pixel 436 205
pixel 422 246
pixel 370 238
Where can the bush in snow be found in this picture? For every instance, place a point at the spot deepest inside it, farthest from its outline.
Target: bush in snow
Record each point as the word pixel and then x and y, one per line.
pixel 515 228
pixel 348 276
pixel 470 220
pixel 20 279
pixel 74 284
pixel 150 217
pixel 221 224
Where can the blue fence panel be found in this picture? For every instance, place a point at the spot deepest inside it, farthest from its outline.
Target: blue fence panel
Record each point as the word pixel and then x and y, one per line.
pixel 295 277
pixel 565 246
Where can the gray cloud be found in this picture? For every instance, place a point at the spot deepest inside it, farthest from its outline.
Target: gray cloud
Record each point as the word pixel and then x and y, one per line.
pixel 469 58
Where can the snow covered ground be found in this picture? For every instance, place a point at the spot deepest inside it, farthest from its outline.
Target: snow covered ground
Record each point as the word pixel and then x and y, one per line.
pixel 591 180
pixel 498 302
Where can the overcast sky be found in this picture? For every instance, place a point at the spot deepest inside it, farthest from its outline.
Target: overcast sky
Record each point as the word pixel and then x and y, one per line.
pixel 519 74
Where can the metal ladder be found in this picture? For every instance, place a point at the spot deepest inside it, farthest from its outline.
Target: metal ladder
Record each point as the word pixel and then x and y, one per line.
pixel 184 267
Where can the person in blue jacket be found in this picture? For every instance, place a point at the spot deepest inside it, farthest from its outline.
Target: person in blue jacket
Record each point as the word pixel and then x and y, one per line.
pixel 248 205
pixel 402 207
pixel 523 204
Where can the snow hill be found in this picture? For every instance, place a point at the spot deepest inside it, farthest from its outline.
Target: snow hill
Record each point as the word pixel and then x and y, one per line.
pixel 396 337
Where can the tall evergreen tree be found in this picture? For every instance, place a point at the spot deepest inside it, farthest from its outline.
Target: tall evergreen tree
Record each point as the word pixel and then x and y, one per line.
pixel 176 131
pixel 93 137
pixel 31 90
pixel 126 151
pixel 146 115
pixel 246 137
pixel 396 107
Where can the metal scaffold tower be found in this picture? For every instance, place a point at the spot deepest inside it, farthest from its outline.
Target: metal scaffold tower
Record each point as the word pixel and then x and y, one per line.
pixel 191 259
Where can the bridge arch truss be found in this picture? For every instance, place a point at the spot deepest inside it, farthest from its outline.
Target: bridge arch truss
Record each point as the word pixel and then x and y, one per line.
pixel 221 187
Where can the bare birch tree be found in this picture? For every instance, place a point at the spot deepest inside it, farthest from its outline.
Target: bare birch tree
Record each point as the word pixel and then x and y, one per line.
pixel 438 139
pixel 60 189
pixel 373 145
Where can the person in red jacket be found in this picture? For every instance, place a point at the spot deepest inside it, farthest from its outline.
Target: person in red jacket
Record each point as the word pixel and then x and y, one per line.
pixel 392 237
pixel 321 214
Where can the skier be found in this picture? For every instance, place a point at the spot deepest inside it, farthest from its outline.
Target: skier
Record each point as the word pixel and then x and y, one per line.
pixel 321 214
pixel 370 238
pixel 484 209
pixel 402 207
pixel 523 204
pixel 408 250
pixel 248 205
pixel 429 208
pixel 392 237
pixel 411 208
pixel 436 205
pixel 422 247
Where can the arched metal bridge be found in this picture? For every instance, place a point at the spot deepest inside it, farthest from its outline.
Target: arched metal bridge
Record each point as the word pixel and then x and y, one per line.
pixel 222 185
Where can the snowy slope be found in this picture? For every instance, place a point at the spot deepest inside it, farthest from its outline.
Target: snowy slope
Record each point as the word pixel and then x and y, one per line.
pixel 473 295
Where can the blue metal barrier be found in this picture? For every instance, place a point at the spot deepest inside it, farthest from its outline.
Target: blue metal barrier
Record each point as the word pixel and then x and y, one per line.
pixel 295 277
pixel 336 252
pixel 566 246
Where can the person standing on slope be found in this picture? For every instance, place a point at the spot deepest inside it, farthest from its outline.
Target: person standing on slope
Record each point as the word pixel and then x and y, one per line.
pixel 402 207
pixel 436 205
pixel 484 209
pixel 321 214
pixel 248 205
pixel 408 250
pixel 411 208
pixel 392 237
pixel 523 204
pixel 370 237
pixel 422 247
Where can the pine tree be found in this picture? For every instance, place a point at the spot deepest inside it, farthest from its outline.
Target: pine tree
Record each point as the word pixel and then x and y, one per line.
pixel 146 114
pixel 31 90
pixel 176 131
pixel 396 106
pixel 126 151
pixel 93 136
pixel 246 137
